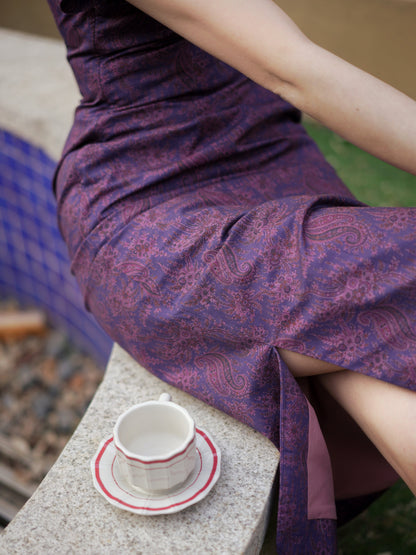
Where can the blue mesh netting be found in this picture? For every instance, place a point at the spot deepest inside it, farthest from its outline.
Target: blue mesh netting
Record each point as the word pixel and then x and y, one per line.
pixel 34 265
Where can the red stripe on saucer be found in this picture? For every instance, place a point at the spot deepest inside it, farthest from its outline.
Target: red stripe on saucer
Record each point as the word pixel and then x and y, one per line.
pixel 208 482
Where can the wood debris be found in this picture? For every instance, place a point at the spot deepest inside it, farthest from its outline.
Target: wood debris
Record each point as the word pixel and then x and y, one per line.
pixel 46 384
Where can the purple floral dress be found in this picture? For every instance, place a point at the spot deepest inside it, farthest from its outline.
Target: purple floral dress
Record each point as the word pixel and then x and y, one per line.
pixel 206 230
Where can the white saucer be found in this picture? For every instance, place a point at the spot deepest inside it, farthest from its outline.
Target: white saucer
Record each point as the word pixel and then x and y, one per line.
pixel 110 482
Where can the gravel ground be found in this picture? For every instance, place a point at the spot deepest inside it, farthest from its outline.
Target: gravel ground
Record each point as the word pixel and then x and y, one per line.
pixel 46 384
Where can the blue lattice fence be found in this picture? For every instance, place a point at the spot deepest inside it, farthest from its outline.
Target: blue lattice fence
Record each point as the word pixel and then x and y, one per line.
pixel 34 265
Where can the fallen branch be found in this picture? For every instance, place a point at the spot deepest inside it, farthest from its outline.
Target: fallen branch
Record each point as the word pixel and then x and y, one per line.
pixel 15 324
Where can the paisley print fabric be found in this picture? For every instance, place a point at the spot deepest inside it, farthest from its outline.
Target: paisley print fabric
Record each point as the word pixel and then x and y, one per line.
pixel 206 231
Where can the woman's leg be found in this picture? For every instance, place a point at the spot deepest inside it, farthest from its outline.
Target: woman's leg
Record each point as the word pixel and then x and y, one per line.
pixel 302 365
pixel 385 412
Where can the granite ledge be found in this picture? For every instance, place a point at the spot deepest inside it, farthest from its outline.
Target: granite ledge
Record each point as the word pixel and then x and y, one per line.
pixel 38 93
pixel 67 515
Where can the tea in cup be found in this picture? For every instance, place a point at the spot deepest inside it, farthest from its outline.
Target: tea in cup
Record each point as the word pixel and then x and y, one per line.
pixel 156 445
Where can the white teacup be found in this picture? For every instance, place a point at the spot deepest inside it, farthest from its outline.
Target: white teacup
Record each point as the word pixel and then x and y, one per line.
pixel 156 445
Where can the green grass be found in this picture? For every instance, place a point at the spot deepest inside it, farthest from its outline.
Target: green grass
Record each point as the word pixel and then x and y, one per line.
pixel 371 180
pixel 389 525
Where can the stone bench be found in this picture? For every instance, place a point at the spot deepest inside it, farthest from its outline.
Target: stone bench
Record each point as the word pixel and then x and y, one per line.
pixel 66 514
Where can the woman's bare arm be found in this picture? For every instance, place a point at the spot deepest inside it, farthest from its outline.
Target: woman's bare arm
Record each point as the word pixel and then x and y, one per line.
pixel 260 40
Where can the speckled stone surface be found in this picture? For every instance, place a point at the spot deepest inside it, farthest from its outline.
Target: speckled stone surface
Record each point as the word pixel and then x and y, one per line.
pixel 67 514
pixel 38 93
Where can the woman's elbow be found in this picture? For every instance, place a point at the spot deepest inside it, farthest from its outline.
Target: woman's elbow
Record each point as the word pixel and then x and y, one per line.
pixel 292 75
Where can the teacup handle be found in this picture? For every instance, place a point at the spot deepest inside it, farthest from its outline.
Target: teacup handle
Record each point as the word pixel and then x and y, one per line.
pixel 165 398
